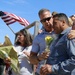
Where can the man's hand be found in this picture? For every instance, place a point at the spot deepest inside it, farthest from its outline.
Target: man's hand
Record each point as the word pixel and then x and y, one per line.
pixel 44 55
pixel 34 59
pixel 71 35
pixel 45 69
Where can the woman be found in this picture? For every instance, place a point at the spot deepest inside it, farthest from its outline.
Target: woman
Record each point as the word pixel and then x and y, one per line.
pixel 23 42
pixel 71 35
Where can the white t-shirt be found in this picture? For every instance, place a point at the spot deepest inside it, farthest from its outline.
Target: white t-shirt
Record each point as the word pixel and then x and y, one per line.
pixel 25 66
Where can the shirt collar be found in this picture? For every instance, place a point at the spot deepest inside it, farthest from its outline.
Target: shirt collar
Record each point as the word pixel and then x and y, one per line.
pixel 63 32
pixel 68 29
pixel 45 32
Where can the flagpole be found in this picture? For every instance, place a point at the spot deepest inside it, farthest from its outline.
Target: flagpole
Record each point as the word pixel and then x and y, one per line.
pixel 11 29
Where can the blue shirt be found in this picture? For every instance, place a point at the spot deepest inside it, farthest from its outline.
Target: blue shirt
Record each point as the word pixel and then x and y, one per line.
pixel 39 45
pixel 62 55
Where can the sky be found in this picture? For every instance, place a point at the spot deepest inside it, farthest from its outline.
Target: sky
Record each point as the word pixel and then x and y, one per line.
pixel 28 9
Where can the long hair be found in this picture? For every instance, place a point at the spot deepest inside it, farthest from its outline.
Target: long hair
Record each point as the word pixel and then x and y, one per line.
pixel 27 35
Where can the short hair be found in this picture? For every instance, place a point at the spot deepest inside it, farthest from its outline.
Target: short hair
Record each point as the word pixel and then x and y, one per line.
pixel 42 11
pixel 62 16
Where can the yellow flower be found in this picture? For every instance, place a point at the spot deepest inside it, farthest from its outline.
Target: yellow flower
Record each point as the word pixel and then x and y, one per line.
pixel 48 40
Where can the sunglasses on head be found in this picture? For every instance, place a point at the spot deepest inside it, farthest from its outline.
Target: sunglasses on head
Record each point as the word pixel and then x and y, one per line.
pixel 45 19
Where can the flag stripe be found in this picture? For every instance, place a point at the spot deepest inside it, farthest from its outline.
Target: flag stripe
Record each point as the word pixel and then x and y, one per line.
pixel 4 17
pixel 21 20
pixel 10 18
pixel 6 20
pixel 8 23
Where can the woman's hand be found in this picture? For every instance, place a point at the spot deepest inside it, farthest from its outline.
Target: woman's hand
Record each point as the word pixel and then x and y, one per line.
pixel 7 60
pixel 27 53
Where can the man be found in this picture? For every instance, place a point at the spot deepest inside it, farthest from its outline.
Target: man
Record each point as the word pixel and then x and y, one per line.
pixel 42 29
pixel 62 57
pixel 38 55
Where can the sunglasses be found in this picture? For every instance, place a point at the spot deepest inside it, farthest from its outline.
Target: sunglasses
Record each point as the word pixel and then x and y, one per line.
pixel 45 19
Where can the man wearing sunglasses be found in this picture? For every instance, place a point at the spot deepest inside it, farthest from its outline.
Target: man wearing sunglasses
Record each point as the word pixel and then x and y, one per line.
pixel 44 20
pixel 38 54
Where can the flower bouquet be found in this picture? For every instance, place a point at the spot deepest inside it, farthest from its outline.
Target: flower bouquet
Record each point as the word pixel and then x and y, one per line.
pixel 8 52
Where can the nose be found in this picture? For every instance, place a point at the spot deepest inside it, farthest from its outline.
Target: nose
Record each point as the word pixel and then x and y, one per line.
pixel 46 21
pixel 18 35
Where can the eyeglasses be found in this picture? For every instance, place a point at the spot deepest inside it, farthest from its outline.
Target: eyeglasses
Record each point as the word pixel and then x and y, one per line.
pixel 45 19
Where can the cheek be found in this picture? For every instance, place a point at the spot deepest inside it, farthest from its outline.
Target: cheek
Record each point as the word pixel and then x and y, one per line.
pixel 56 29
pixel 51 21
pixel 22 38
pixel 55 26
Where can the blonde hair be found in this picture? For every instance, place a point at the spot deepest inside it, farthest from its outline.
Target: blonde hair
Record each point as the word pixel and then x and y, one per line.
pixel 54 13
pixel 70 22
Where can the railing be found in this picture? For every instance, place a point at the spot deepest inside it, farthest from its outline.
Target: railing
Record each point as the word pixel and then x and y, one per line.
pixel 36 27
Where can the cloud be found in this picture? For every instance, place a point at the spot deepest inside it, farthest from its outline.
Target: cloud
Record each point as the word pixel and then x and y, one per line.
pixel 16 2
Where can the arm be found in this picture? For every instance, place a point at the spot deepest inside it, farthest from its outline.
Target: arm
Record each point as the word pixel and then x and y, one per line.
pixel 71 35
pixel 33 54
pixel 33 58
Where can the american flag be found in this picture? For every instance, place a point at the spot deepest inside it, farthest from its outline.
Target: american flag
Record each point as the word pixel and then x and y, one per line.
pixel 10 18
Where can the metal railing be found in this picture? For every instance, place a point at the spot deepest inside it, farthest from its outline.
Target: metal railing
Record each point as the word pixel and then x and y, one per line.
pixel 36 27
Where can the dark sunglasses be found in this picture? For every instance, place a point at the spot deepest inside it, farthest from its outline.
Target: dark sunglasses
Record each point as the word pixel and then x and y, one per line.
pixel 45 19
